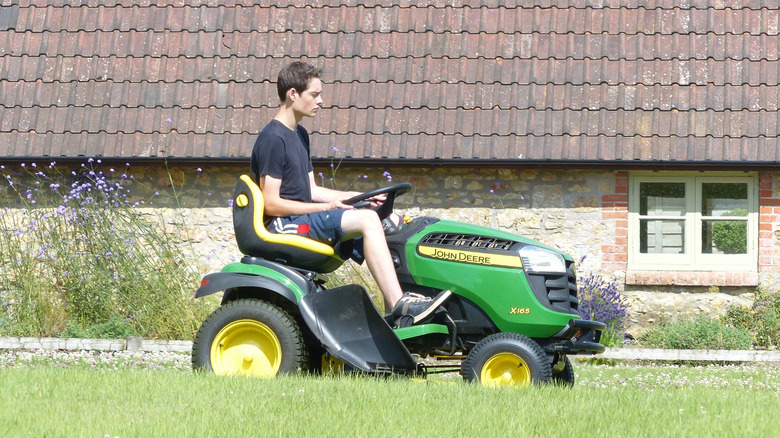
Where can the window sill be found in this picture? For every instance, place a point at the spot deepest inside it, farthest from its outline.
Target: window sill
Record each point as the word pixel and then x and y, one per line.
pixel 691 278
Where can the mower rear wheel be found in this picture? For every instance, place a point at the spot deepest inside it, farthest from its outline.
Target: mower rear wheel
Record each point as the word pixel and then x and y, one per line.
pixel 506 359
pixel 250 338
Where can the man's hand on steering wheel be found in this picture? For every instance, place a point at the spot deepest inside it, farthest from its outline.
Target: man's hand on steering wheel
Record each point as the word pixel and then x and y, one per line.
pixel 380 200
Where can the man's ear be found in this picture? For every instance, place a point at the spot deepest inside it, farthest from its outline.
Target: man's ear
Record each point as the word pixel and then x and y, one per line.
pixel 292 94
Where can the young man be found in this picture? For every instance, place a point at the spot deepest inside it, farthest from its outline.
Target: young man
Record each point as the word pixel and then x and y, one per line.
pixel 281 165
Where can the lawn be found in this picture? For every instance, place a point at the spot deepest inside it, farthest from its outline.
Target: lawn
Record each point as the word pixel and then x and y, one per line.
pixel 94 395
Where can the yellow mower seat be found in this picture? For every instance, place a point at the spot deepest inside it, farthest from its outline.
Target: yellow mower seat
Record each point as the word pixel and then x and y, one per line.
pixel 255 240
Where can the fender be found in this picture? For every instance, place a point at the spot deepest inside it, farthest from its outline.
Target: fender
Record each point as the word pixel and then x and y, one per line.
pixel 219 281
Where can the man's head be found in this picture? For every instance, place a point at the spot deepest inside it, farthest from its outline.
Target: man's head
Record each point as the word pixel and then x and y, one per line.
pixel 299 85
pixel 296 76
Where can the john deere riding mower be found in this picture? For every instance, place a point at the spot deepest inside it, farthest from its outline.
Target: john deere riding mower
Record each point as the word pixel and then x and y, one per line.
pixel 511 318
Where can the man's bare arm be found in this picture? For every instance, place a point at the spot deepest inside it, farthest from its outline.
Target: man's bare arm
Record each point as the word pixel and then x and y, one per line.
pixel 275 205
pixel 324 194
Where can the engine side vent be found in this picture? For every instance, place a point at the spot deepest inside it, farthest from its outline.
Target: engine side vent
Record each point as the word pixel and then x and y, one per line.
pixel 467 241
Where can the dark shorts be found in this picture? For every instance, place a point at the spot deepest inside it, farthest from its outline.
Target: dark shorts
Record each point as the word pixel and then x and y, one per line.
pixel 325 227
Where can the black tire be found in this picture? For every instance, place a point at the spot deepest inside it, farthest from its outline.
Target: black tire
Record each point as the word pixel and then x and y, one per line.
pixel 565 377
pixel 506 359
pixel 249 337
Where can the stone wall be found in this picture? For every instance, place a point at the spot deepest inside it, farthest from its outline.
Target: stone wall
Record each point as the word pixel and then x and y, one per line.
pixel 559 208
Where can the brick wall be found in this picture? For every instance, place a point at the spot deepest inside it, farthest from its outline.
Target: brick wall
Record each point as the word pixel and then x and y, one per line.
pixel 614 210
pixel 768 231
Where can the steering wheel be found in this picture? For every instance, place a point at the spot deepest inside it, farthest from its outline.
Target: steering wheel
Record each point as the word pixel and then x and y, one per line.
pixel 386 208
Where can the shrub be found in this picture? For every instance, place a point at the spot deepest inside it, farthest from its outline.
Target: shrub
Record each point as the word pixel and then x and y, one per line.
pixel 731 236
pixel 762 319
pixel 699 333
pixel 78 250
pixel 600 300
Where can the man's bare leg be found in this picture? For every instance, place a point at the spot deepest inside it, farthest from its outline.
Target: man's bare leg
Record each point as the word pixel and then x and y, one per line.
pixel 380 264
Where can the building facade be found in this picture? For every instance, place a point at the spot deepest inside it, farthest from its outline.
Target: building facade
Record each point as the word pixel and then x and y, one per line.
pixel 640 136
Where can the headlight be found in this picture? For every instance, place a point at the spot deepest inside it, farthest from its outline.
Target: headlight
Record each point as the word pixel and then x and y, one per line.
pixel 540 260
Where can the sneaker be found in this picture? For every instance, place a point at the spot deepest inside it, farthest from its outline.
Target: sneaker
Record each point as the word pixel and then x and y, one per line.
pixel 419 307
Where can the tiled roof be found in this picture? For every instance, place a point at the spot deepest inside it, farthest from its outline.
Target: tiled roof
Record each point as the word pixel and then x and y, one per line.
pixel 577 80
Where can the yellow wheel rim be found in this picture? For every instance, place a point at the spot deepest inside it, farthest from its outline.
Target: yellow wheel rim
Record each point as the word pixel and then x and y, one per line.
pixel 246 347
pixel 505 369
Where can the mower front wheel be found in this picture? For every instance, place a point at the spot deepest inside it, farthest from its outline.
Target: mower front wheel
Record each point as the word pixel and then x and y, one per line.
pixel 250 338
pixel 506 359
pixel 564 377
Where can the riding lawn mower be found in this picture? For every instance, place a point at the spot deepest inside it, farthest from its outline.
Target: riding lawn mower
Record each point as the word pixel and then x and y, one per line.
pixel 511 318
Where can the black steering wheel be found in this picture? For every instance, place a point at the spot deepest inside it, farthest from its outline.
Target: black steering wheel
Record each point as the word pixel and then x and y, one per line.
pixel 386 208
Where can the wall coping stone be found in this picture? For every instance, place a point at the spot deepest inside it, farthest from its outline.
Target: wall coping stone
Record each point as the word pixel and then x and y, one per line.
pixel 131 344
pixel 173 346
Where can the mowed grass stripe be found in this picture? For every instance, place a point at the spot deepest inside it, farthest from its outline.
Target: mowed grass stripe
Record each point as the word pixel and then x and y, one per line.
pixel 609 401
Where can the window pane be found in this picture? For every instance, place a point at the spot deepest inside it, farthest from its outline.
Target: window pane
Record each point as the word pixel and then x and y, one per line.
pixel 724 199
pixel 661 236
pixel 724 237
pixel 661 199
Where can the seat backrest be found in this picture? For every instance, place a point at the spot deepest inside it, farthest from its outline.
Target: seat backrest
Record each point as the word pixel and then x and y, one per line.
pixel 255 240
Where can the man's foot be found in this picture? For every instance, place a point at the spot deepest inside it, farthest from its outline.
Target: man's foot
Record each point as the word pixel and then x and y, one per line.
pixel 417 306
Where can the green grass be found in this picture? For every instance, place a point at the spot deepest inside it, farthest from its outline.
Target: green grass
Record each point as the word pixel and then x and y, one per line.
pixel 99 400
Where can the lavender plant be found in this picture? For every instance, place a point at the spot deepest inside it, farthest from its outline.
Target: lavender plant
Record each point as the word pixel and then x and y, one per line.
pixel 78 249
pixel 600 300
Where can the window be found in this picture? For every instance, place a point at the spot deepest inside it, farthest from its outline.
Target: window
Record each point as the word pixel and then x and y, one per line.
pixel 693 222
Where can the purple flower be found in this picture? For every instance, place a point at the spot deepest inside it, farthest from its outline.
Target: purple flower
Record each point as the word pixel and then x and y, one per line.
pixel 600 300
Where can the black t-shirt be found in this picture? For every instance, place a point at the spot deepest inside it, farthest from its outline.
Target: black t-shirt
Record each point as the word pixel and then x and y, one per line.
pixel 284 154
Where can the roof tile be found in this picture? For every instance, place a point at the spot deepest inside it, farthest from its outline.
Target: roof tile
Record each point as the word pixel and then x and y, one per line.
pixel 563 79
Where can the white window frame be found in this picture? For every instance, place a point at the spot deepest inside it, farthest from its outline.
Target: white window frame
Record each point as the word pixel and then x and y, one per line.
pixel 693 259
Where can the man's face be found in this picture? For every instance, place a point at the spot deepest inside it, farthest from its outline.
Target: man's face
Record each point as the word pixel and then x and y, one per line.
pixel 308 102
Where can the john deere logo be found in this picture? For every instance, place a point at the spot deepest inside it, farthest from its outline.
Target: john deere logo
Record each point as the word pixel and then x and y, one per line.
pixel 471 257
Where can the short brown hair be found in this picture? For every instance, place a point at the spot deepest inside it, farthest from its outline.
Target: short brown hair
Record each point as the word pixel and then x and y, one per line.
pixel 296 75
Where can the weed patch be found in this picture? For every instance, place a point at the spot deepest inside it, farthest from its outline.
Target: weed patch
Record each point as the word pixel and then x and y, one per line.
pixel 702 332
pixel 762 319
